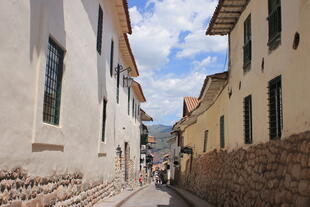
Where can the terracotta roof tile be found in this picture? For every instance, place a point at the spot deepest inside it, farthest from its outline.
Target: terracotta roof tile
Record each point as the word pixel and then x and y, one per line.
pixel 151 139
pixel 191 103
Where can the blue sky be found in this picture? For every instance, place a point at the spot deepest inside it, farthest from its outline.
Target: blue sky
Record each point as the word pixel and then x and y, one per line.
pixel 173 53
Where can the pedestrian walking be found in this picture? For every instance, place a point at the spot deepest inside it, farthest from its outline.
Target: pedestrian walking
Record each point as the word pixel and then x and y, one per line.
pixel 141 180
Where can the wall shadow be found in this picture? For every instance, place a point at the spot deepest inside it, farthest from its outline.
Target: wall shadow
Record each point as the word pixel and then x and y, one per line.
pixel 46 17
pixel 91 10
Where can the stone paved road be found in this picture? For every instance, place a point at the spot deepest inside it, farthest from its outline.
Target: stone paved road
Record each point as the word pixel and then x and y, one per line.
pixel 155 197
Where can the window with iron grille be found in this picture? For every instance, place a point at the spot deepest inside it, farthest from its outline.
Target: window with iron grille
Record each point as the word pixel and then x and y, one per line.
pixel 275 108
pixel 274 23
pixel 222 135
pixel 111 57
pixel 104 117
pixel 205 141
pixel 128 100
pixel 247 107
pixel 247 48
pixel 53 80
pixel 117 83
pixel 99 30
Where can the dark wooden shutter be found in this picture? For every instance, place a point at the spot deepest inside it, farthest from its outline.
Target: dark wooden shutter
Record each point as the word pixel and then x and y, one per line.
pixel 222 135
pixel 275 108
pixel 274 23
pixel 247 48
pixel 133 107
pixel 99 30
pixel 205 141
pixel 117 83
pixel 111 57
pixel 248 119
pixel 128 100
pixel 104 117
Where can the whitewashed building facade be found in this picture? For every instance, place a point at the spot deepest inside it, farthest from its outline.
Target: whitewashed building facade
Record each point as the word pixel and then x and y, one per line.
pixel 67 113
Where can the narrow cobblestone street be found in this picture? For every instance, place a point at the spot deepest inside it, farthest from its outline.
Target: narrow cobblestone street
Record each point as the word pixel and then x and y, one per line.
pixel 153 196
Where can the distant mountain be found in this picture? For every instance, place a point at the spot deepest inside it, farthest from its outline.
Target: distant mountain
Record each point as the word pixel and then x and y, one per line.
pixel 162 135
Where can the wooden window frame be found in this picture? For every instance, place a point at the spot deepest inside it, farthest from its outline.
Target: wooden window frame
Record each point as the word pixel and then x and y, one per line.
pixel 117 83
pixel 128 100
pixel 275 108
pixel 53 83
pixel 99 30
pixel 247 120
pixel 111 57
pixel 205 140
pixel 274 24
pixel 104 119
pixel 247 48
pixel 133 107
pixel 222 131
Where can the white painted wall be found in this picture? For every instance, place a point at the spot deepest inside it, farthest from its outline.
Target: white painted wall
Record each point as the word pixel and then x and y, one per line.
pixel 25 27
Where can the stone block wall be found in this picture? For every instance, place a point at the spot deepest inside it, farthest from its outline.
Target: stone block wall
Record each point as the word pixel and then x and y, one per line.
pixel 18 189
pixel 273 174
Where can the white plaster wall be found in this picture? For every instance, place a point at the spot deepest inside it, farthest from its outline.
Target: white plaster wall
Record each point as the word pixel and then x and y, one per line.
pixel 25 27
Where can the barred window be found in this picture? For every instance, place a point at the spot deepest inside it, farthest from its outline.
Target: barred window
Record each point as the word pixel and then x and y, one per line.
pixel 104 117
pixel 205 141
pixel 99 30
pixel 274 23
pixel 275 108
pixel 111 57
pixel 53 80
pixel 222 135
pixel 247 48
pixel 247 104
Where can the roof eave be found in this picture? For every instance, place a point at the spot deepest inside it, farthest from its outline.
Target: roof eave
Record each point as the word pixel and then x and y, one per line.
pixel 139 92
pixel 232 9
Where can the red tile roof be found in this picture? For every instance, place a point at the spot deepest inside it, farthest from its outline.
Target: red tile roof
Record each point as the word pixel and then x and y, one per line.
pixel 151 139
pixel 191 103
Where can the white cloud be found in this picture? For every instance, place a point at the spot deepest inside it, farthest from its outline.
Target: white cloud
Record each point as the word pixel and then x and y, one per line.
pixel 197 42
pixel 205 62
pixel 156 32
pixel 165 93
pixel 165 25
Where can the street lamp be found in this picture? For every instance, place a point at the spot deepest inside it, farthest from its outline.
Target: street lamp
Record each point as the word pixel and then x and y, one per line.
pixel 127 81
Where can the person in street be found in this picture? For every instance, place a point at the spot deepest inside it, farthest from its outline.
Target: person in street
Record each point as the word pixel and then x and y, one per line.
pixel 141 180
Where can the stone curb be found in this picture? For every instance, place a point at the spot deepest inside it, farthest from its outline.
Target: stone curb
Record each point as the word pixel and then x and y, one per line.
pixel 190 198
pixel 120 203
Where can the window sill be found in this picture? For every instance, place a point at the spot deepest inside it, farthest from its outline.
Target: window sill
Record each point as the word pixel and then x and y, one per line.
pixel 246 67
pixel 49 135
pixel 102 154
pixel 40 147
pixel 102 149
pixel 274 43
